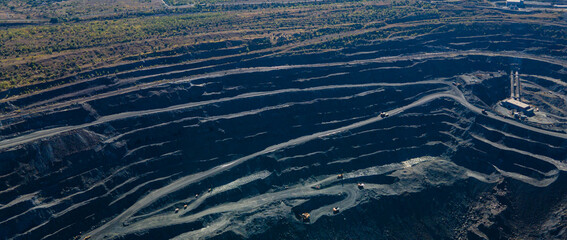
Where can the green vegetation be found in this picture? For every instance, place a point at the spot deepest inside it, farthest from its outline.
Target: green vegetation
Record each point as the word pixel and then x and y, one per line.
pixel 62 10
pixel 65 47
pixel 197 2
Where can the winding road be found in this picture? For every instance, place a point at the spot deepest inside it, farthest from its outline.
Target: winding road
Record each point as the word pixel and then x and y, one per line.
pixel 116 224
pixel 183 182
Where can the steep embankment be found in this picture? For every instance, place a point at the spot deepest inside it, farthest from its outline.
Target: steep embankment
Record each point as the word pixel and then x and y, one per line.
pixel 269 133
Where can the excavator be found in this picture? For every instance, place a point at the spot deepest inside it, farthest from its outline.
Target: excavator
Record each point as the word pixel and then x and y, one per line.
pixel 336 210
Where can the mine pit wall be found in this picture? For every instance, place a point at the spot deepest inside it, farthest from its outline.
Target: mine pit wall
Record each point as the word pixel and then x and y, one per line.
pixel 435 212
pixel 496 42
pixel 447 212
pixel 51 168
pixel 72 116
pixel 209 132
pixel 114 75
pixel 159 148
pixel 522 133
pixel 166 96
pixel 484 155
pixel 492 90
pixel 524 143
pixel 59 182
pixel 183 54
pixel 392 156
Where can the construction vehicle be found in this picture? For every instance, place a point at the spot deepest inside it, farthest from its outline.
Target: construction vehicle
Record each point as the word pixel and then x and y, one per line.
pixel 360 185
pixel 176 210
pixel 78 237
pixel 336 210
pixel 305 217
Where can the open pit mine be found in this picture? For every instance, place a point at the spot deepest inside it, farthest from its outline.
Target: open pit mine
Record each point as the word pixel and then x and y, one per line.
pixel 445 134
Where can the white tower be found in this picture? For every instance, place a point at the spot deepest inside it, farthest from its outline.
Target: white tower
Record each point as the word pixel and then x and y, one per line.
pixel 511 84
pixel 518 87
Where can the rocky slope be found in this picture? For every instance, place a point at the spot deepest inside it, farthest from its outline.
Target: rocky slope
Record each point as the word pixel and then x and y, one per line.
pixel 242 149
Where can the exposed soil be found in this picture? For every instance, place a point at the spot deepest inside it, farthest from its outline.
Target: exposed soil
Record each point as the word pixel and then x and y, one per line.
pixel 261 138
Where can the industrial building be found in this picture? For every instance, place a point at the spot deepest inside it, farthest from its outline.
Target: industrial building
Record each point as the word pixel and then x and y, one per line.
pixel 514 4
pixel 517 105
pixel 515 100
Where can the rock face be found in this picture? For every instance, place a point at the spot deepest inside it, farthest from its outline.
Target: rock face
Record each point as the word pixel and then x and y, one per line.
pixel 248 148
